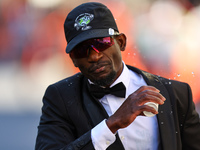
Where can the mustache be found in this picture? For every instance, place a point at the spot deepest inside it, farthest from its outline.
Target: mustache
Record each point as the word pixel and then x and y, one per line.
pixel 97 65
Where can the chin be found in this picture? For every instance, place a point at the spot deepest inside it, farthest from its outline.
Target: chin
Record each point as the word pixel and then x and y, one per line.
pixel 105 81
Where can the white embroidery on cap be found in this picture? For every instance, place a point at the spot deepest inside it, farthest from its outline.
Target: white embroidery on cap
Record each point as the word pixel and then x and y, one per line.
pixel 83 20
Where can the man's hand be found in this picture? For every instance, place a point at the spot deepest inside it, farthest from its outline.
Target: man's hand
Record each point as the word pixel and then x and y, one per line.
pixel 134 106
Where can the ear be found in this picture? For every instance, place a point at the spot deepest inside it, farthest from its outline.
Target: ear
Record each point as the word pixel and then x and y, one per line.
pixel 73 60
pixel 121 40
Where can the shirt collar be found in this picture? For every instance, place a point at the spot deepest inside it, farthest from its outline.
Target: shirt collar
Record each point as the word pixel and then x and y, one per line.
pixel 124 77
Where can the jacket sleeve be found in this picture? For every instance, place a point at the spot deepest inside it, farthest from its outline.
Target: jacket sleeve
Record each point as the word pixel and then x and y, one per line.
pixel 56 131
pixel 191 125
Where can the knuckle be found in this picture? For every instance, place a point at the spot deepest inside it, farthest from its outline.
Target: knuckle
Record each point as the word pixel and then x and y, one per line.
pixel 145 95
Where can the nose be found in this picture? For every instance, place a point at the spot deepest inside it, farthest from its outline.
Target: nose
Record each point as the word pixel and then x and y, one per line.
pixel 94 55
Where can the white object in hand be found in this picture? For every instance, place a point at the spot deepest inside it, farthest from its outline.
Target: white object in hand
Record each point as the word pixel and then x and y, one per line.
pixel 151 104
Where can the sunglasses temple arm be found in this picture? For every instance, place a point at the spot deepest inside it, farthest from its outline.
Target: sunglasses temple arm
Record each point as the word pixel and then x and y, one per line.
pixel 94 49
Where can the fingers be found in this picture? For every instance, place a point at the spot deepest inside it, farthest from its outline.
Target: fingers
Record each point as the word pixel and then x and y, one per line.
pixel 143 88
pixel 151 97
pixel 148 94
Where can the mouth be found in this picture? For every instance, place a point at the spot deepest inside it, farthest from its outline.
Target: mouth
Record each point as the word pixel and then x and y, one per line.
pixel 98 68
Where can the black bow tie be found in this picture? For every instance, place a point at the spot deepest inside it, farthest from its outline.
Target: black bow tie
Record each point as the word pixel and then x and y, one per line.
pixel 98 92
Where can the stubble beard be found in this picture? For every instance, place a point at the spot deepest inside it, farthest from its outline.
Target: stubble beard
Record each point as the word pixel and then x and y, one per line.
pixel 107 81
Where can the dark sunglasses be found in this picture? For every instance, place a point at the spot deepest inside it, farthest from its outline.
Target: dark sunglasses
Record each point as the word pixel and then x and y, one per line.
pixel 83 49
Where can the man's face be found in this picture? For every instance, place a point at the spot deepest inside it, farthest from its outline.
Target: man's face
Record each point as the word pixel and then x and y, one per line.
pixel 103 67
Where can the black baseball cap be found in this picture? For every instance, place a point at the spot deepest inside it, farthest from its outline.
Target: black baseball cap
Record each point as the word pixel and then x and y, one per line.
pixel 87 21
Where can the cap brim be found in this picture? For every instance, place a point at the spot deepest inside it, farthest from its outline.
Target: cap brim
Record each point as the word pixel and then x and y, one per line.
pixel 86 35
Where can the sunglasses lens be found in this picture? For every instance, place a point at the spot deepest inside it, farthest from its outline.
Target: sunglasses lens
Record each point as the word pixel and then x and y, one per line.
pixel 80 51
pixel 101 44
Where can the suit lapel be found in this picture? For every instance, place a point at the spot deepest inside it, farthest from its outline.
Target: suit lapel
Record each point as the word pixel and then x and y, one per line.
pixel 93 107
pixel 97 113
pixel 165 115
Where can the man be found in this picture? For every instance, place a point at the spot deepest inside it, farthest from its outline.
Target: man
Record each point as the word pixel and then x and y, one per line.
pixel 81 112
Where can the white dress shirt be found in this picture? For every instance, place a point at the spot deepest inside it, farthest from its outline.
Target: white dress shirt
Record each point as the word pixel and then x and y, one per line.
pixel 141 134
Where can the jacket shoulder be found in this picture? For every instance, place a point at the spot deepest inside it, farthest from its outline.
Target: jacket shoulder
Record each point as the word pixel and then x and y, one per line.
pixel 67 89
pixel 174 83
pixel 69 81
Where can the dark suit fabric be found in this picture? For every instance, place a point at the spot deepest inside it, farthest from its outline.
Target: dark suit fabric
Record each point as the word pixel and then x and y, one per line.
pixel 69 113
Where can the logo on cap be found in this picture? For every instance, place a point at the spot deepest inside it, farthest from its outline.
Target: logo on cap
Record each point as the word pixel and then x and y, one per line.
pixel 82 21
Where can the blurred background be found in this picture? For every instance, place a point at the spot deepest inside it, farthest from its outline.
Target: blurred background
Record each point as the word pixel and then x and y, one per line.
pixel 163 38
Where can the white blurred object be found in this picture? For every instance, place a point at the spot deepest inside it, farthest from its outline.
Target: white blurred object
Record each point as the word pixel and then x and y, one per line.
pixel 45 3
pixel 166 17
pixel 151 104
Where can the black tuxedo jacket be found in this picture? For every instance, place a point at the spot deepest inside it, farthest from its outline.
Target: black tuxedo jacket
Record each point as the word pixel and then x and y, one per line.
pixel 69 113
